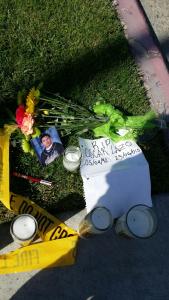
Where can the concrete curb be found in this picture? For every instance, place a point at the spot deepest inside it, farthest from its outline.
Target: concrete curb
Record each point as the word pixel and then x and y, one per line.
pixel 146 53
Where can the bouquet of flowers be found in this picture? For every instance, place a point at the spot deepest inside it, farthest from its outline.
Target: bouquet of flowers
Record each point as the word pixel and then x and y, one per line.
pixel 69 118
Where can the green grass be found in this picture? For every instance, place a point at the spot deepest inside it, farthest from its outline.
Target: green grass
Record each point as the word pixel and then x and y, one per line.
pixel 77 48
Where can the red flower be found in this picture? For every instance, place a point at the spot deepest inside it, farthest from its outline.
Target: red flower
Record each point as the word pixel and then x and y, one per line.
pixel 20 113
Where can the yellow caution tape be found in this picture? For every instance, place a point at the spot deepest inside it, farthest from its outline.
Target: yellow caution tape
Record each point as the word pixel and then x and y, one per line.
pixel 50 228
pixel 4 163
pixel 58 246
pixel 39 256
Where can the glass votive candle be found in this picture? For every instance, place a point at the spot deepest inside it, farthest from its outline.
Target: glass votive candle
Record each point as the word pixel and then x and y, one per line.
pixel 139 222
pixel 23 229
pixel 98 221
pixel 71 158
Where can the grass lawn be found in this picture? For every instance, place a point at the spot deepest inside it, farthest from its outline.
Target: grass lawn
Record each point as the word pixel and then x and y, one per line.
pixel 77 48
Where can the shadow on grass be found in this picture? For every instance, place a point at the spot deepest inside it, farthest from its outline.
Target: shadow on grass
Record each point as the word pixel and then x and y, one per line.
pixel 82 69
pixel 77 73
pixel 6 238
pixel 78 70
pixel 72 201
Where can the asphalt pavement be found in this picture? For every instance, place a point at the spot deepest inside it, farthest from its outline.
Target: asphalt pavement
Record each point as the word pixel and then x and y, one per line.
pixel 108 267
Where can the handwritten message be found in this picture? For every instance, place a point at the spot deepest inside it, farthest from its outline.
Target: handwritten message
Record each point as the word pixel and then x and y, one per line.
pixel 101 155
pixel 115 175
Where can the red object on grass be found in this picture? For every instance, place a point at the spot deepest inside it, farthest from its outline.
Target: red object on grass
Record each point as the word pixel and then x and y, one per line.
pixel 20 113
pixel 32 179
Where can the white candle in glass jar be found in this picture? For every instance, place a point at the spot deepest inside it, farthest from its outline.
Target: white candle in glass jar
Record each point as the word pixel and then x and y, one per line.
pixel 139 222
pixel 98 221
pixel 101 218
pixel 71 158
pixel 23 229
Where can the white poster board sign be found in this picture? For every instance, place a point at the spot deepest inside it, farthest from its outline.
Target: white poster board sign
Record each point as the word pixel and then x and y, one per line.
pixel 102 155
pixel 115 175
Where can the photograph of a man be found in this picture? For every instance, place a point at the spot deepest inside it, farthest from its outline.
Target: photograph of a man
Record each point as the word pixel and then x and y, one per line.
pixel 48 146
pixel 51 149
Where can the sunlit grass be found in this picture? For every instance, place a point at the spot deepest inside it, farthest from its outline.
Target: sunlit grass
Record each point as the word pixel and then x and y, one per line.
pixel 76 48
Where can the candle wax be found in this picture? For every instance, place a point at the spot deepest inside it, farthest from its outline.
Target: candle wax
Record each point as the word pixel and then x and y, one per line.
pixel 101 218
pixel 24 227
pixel 73 157
pixel 140 222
